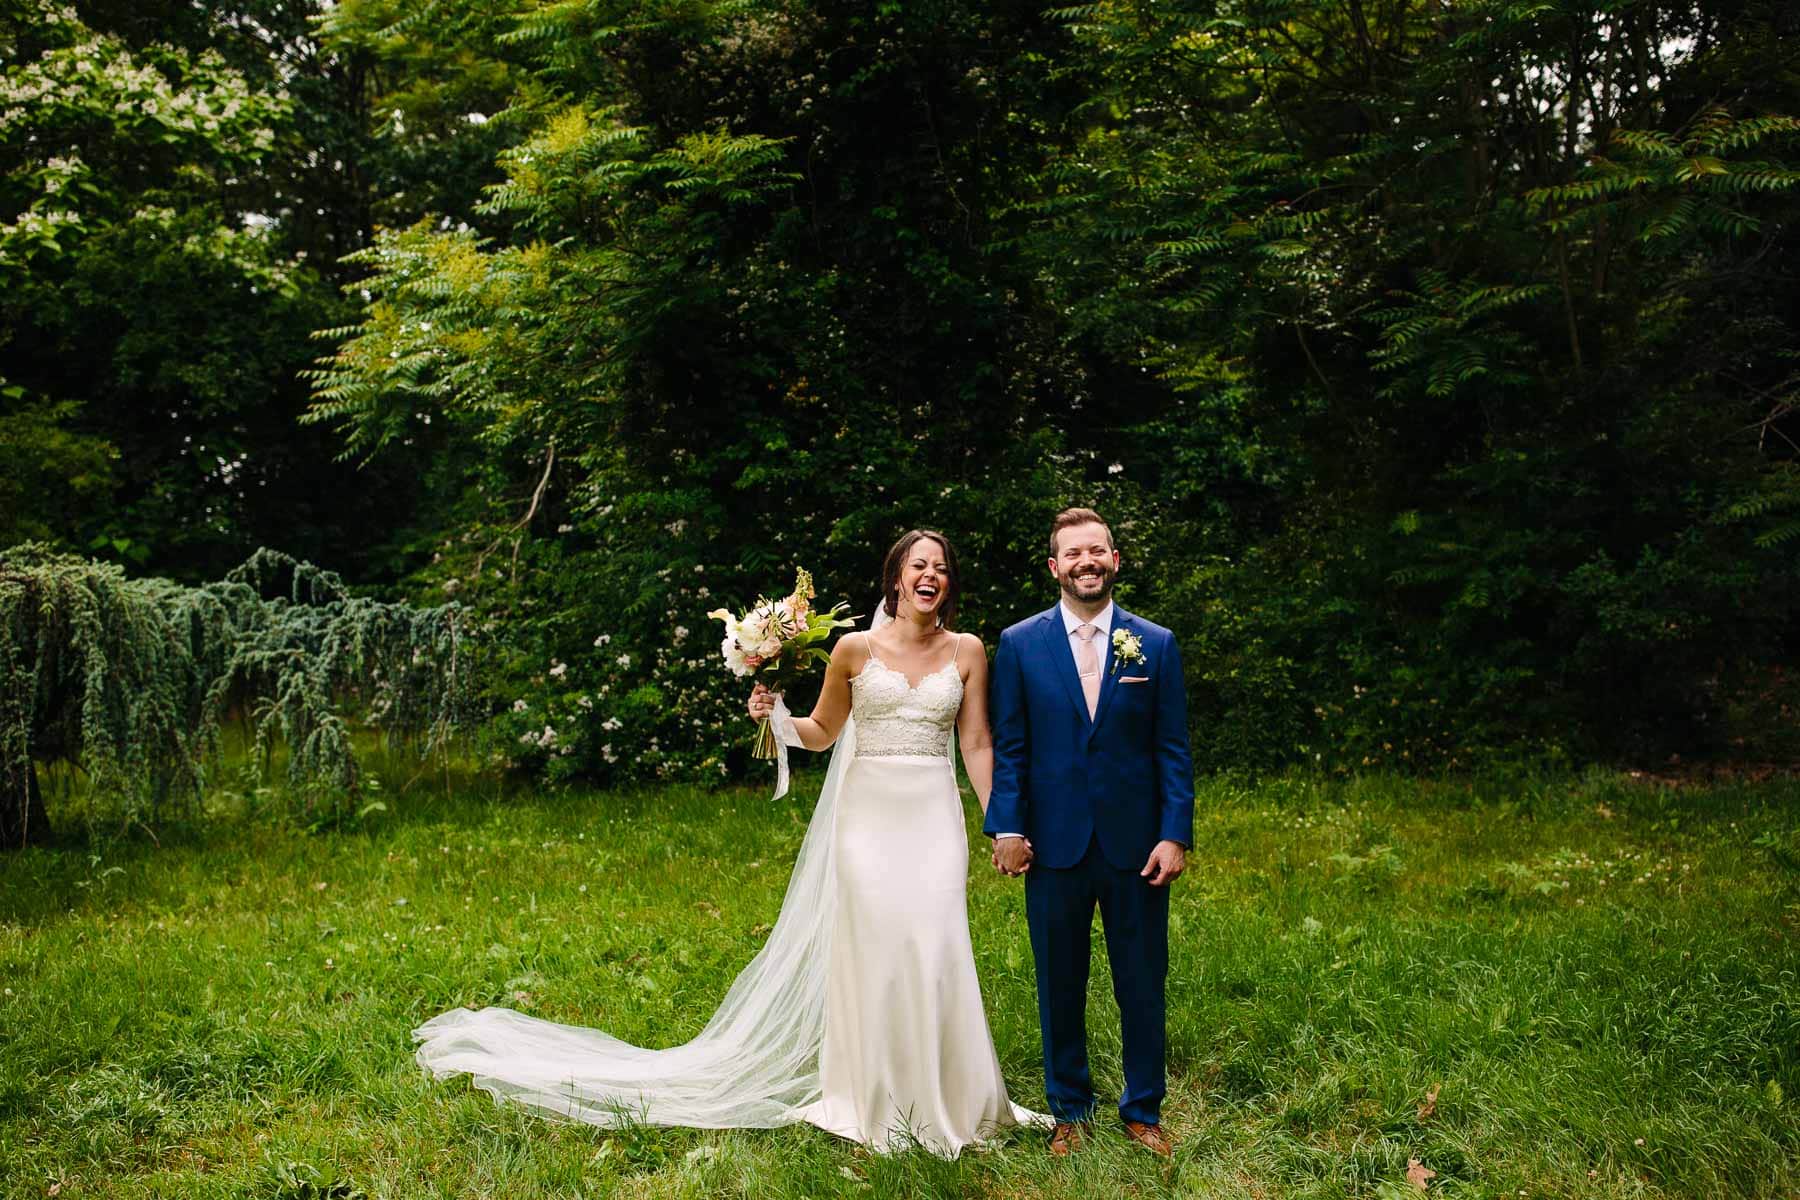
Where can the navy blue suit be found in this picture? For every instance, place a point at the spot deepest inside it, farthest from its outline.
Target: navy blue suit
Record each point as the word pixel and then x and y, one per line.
pixel 1094 796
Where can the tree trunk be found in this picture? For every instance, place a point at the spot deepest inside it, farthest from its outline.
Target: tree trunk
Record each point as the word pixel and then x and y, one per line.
pixel 23 821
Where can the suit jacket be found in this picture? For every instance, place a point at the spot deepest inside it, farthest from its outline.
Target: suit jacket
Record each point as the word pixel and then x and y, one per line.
pixel 1125 776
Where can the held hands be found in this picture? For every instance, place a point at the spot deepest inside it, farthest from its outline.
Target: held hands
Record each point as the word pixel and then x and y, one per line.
pixel 1167 861
pixel 1012 855
pixel 762 702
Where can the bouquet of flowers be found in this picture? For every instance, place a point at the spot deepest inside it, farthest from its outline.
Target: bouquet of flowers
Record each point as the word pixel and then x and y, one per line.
pixel 781 639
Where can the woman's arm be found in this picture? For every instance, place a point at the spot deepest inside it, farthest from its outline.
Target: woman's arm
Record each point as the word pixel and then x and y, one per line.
pixel 972 732
pixel 821 729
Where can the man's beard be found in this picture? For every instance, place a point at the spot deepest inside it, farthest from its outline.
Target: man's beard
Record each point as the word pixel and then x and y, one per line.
pixel 1107 576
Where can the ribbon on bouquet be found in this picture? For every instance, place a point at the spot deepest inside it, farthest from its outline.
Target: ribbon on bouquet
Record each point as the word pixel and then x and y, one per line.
pixel 781 721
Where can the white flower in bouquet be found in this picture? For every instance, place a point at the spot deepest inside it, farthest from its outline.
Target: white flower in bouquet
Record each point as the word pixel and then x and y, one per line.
pixel 734 656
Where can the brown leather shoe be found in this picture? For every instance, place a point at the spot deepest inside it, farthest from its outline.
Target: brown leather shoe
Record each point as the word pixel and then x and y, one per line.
pixel 1065 1138
pixel 1151 1137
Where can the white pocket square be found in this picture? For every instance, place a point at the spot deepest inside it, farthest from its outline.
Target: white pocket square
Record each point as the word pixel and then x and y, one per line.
pixel 1134 679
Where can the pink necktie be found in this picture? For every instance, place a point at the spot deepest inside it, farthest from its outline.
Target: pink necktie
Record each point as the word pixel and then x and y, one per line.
pixel 1087 665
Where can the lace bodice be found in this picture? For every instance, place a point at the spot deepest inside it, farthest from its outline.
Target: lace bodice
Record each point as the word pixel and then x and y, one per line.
pixel 895 717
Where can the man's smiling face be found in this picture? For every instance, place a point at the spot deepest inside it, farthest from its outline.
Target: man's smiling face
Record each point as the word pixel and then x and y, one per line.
pixel 1085 563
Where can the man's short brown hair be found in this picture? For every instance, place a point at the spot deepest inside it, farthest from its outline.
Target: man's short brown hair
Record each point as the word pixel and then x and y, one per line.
pixel 1076 516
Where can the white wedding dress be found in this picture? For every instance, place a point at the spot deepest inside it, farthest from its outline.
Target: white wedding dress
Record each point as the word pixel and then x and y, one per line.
pixel 862 1013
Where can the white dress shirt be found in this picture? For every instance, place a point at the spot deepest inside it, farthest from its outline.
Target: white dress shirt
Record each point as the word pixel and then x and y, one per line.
pixel 1071 622
pixel 1103 622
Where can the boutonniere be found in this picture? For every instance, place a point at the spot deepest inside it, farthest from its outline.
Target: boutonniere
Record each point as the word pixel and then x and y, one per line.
pixel 1128 649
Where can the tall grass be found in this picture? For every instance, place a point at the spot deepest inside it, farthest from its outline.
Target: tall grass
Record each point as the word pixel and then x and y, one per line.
pixel 1597 976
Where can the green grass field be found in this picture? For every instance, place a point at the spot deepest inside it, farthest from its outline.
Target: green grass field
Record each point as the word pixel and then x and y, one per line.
pixel 1596 976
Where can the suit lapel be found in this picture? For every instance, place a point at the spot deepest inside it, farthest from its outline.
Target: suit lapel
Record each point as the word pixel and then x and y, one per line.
pixel 1108 676
pixel 1056 646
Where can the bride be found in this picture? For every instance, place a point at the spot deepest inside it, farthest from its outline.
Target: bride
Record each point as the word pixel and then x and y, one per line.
pixel 861 1014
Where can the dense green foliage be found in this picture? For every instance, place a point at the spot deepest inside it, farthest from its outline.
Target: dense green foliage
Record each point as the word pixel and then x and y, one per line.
pixel 130 681
pixel 1504 290
pixel 177 186
pixel 1434 362
pixel 1601 998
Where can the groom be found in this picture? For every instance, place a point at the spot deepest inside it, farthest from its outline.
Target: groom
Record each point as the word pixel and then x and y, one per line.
pixel 1093 802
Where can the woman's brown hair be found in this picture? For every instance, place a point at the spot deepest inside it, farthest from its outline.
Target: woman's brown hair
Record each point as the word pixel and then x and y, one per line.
pixel 896 559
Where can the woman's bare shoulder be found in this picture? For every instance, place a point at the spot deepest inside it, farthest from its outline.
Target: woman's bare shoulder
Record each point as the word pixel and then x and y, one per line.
pixel 851 651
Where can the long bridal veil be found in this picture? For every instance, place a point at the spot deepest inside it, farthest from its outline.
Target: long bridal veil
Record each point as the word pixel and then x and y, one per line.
pixel 754 1065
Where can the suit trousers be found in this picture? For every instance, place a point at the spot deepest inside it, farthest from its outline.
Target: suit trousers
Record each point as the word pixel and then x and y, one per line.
pixel 1059 910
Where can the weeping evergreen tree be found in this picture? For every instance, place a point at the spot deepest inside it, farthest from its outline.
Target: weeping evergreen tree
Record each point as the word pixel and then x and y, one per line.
pixel 130 681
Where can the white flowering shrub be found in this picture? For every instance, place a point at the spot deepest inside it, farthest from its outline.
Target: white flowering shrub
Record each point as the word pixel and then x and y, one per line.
pixel 643 698
pixel 85 94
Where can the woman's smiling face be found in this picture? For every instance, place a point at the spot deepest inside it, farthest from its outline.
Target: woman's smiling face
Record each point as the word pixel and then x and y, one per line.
pixel 925 576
